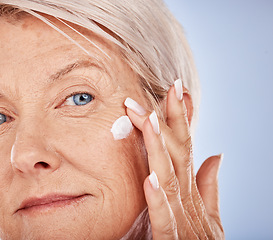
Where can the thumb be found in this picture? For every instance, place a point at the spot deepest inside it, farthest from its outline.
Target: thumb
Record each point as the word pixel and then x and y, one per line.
pixel 207 183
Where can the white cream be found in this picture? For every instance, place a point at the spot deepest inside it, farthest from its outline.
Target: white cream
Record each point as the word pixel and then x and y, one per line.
pixel 122 128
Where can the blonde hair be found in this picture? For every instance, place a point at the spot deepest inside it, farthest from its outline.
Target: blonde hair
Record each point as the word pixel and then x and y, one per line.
pixel 150 38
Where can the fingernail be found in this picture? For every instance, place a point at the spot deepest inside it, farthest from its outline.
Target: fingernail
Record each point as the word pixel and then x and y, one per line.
pixel 178 89
pixel 154 180
pixel 154 121
pixel 133 105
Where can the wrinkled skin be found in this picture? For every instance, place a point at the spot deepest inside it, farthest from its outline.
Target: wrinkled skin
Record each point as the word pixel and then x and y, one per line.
pixel 49 146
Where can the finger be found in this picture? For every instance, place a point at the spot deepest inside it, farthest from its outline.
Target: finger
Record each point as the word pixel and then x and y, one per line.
pixel 181 156
pixel 177 117
pixel 160 161
pixel 180 151
pixel 136 113
pixel 158 156
pixel 163 222
pixel 201 210
pixel 161 216
pixel 207 183
pixel 178 121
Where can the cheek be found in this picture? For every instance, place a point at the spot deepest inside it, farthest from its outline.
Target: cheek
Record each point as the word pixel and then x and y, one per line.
pixel 6 172
pixel 118 165
pixel 115 170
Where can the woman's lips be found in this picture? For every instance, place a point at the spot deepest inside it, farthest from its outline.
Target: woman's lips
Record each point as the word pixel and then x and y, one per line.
pixel 50 202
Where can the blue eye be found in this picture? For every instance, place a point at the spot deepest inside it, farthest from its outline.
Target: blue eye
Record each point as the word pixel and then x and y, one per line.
pixel 82 98
pixel 3 118
pixel 79 99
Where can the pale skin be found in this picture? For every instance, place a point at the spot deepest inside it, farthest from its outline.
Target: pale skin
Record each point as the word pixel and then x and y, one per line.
pixel 51 146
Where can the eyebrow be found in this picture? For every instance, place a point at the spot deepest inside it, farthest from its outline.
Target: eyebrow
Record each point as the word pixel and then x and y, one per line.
pixel 70 67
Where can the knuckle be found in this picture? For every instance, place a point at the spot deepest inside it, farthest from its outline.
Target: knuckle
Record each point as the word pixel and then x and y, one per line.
pixel 185 162
pixel 170 228
pixel 172 186
pixel 186 153
pixel 188 145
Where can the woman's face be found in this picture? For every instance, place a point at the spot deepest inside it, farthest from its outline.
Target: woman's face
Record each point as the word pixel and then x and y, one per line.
pixel 62 173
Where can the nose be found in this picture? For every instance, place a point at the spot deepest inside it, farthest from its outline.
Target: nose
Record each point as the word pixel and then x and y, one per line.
pixel 31 156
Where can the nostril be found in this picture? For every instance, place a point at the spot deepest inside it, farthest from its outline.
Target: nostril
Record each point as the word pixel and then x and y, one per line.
pixel 41 165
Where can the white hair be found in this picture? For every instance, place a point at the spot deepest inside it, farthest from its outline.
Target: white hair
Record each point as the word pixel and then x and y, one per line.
pixel 150 38
pixel 151 41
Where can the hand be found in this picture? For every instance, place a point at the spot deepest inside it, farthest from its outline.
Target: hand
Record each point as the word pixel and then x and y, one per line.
pixel 181 205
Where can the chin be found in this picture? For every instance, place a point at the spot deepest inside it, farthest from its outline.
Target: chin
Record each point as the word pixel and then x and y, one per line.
pixel 59 227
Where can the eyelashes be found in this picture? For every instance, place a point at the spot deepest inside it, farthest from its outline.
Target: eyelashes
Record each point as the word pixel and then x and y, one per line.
pixel 3 118
pixel 74 99
pixel 78 99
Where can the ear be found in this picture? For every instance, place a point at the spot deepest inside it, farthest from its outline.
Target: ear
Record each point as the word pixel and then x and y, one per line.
pixel 188 102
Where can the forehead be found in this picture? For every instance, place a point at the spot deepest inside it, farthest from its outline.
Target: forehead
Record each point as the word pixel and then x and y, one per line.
pixel 31 52
pixel 30 43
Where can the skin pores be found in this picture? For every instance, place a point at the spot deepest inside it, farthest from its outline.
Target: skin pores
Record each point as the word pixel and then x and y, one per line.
pixel 59 148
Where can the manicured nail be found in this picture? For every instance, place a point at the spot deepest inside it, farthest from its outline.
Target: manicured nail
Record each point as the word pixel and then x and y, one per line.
pixel 154 180
pixel 133 105
pixel 154 121
pixel 178 89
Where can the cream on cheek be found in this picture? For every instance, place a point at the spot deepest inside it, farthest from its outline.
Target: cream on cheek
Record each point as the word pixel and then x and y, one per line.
pixel 122 128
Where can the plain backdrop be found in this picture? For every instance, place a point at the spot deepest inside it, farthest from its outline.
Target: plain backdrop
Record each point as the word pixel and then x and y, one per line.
pixel 232 42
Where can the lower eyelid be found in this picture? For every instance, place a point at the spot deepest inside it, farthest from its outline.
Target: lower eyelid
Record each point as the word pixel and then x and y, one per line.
pixel 6 125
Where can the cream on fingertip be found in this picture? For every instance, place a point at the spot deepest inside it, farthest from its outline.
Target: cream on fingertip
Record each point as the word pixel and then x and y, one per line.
pixel 154 180
pixel 122 128
pixel 178 89
pixel 133 105
pixel 154 121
